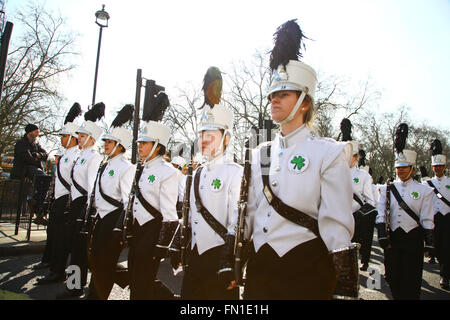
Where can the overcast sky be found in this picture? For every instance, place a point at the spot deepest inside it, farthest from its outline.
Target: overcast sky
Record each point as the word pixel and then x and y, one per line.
pixel 403 45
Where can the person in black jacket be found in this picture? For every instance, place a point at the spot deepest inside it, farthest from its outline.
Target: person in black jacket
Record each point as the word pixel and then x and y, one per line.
pixel 29 157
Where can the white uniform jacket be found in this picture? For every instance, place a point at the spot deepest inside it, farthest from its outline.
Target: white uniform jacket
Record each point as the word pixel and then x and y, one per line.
pixel 443 186
pixel 310 174
pixel 362 187
pixel 85 171
pixel 66 162
pixel 181 185
pixel 417 196
pixel 159 187
pixel 219 188
pixel 116 182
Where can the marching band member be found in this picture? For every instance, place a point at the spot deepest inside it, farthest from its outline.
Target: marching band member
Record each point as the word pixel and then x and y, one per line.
pixel 83 176
pixel 213 201
pixel 410 216
pixel 363 204
pixel 441 208
pixel 154 208
pixel 299 203
pixel 111 190
pixel 59 208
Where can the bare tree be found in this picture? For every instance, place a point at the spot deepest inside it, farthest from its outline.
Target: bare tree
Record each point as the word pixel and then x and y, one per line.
pixel 38 57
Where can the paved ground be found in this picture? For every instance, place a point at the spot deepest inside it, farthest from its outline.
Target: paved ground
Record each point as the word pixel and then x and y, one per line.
pixel 17 275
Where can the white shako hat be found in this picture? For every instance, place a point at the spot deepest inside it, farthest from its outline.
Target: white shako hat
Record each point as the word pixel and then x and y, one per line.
pixel 288 73
pixel 70 127
pixel 117 132
pixel 178 160
pixel 403 157
pixel 437 156
pixel 91 118
pixel 154 131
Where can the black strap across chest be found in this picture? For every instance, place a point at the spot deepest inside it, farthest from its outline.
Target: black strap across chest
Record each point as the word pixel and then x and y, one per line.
pixel 357 199
pixel 403 204
pixel 60 178
pixel 110 200
pixel 438 194
pixel 292 214
pixel 150 209
pixel 207 216
pixel 77 186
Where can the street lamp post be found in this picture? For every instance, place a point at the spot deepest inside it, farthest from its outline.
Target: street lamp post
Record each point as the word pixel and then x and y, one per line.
pixel 101 19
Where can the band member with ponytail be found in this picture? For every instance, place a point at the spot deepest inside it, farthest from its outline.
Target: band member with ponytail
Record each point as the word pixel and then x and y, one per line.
pixel 63 182
pixel 213 202
pixel 83 176
pixel 299 202
pixel 111 189
pixel 411 218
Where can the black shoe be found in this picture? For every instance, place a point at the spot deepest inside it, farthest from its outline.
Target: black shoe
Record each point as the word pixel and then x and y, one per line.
pixel 41 265
pixel 70 294
pixel 444 283
pixel 51 278
pixel 364 267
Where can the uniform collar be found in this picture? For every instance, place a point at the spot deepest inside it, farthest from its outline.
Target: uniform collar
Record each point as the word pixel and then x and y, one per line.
pixel 71 149
pixel 221 159
pixel 116 158
pixel 441 178
pixel 295 137
pixel 405 184
pixel 88 149
pixel 150 163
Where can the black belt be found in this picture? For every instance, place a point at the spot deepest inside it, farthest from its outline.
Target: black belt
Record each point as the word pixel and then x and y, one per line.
pixel 438 194
pixel 294 215
pixel 357 199
pixel 207 216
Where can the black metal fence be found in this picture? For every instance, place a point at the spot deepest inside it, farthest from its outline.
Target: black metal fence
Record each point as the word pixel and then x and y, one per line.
pixel 15 196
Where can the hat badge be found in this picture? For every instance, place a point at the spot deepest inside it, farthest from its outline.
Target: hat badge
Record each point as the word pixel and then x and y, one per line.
pixel 280 74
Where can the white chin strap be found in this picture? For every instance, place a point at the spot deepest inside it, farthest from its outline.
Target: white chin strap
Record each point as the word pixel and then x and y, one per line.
pixel 294 111
pixel 410 173
pixel 113 150
pixel 68 141
pixel 86 141
pixel 155 144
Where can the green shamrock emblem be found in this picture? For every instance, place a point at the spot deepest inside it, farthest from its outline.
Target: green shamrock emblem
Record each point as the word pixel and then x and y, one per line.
pixel 299 162
pixel 216 184
pixel 151 178
pixel 111 172
pixel 447 186
pixel 356 180
pixel 415 195
pixel 82 161
pixel 66 159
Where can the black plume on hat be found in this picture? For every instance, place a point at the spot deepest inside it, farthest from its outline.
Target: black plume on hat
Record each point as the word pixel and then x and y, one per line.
pixel 95 113
pixel 436 147
pixel 380 180
pixel 212 87
pixel 423 171
pixel 346 130
pixel 155 110
pixel 288 39
pixel 362 158
pixel 74 112
pixel 123 116
pixel 400 137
